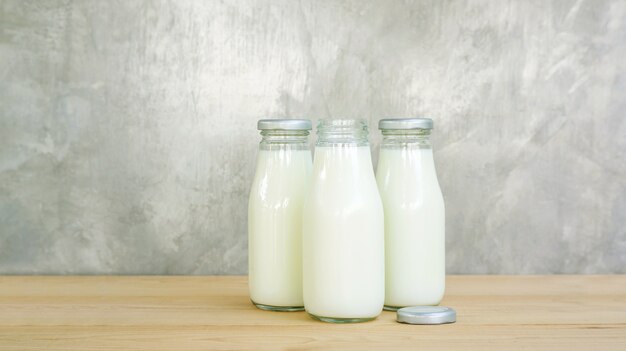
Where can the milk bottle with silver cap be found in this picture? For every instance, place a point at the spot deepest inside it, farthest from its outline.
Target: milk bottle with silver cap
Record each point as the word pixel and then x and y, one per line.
pixel 414 214
pixel 275 215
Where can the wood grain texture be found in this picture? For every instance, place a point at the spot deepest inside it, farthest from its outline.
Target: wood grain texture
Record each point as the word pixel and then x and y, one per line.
pixel 202 313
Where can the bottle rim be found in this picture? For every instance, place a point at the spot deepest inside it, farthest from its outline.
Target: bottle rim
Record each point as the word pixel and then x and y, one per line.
pixel 342 131
pixel 405 123
pixel 284 124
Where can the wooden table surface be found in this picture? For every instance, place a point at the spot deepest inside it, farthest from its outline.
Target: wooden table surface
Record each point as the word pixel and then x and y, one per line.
pixel 203 313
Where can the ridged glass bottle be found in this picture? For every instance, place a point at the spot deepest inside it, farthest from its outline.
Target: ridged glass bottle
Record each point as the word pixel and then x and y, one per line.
pixel 343 228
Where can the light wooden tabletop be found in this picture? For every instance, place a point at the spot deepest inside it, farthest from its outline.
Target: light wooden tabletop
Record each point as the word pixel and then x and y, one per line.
pixel 203 313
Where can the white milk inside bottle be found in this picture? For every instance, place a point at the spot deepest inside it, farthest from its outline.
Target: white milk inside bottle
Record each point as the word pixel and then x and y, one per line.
pixel 343 228
pixel 275 215
pixel 414 214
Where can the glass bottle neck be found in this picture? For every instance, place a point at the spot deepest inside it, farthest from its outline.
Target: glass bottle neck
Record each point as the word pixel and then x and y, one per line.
pixel 396 138
pixel 284 139
pixel 335 132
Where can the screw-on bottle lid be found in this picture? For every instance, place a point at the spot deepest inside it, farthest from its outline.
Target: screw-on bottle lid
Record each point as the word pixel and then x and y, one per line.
pixel 284 124
pixel 426 315
pixel 405 123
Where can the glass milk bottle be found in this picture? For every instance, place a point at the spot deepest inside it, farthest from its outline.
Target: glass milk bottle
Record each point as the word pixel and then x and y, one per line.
pixel 275 215
pixel 414 214
pixel 343 228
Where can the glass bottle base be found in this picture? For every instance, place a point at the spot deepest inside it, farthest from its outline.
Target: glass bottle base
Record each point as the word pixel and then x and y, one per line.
pixel 395 308
pixel 340 320
pixel 391 308
pixel 278 308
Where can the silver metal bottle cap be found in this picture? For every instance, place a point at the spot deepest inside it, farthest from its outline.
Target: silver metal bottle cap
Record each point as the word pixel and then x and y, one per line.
pixel 284 124
pixel 426 315
pixel 405 123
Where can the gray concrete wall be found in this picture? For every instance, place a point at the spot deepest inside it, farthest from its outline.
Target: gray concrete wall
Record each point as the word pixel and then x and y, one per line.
pixel 128 141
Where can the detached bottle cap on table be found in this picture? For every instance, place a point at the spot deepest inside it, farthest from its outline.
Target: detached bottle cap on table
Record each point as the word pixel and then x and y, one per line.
pixel 426 315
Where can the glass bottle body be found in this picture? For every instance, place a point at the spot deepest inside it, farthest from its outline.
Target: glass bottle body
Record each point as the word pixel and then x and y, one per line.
pixel 414 220
pixel 343 228
pixel 275 220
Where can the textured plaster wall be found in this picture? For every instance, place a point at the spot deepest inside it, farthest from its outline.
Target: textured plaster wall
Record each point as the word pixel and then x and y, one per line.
pixel 128 141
